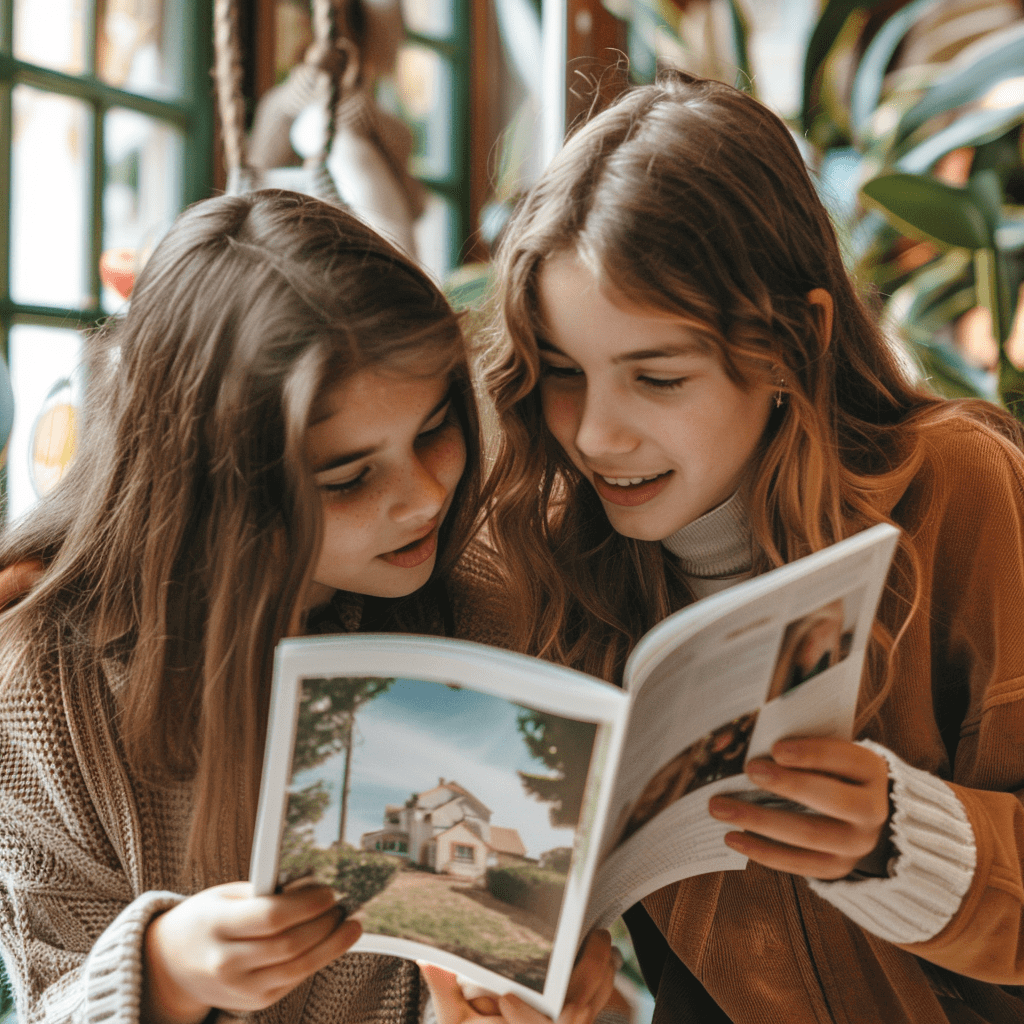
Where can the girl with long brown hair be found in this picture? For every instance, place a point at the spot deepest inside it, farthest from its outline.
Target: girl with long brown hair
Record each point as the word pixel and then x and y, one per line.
pixel 281 436
pixel 691 393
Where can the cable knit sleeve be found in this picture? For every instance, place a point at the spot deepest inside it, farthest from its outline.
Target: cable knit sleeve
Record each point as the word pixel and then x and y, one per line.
pixel 71 919
pixel 933 867
pixel 955 717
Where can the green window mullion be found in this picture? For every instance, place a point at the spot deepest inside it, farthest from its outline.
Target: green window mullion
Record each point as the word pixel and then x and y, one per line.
pixel 98 173
pixel 91 39
pixel 52 316
pixel 446 47
pixel 91 90
pixel 198 169
pixel 6 133
pixel 7 26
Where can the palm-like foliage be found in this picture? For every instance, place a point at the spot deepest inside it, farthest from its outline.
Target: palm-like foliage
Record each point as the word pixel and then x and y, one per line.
pixel 936 243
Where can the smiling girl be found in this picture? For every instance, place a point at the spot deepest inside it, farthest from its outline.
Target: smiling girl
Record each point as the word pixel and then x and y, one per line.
pixel 281 436
pixel 692 393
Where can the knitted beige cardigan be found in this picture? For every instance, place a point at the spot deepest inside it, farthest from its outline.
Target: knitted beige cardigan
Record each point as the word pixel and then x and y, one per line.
pixel 89 853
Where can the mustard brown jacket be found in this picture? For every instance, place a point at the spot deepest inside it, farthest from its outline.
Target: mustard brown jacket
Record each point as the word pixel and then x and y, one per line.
pixel 762 947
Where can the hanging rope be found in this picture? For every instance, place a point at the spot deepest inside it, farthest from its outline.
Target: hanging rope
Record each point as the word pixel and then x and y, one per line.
pixel 228 76
pixel 330 57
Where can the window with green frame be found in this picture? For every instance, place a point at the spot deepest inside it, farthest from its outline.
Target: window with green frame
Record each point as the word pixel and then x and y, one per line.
pixel 431 94
pixel 107 132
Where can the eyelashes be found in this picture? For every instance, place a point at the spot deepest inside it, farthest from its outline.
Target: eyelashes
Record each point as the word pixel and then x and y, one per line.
pixel 572 373
pixel 662 383
pixel 449 419
pixel 347 486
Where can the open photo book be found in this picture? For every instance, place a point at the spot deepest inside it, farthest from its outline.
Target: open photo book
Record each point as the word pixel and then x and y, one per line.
pixel 483 810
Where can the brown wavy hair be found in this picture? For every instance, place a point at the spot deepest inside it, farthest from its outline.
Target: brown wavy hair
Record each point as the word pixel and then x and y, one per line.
pixel 182 538
pixel 688 197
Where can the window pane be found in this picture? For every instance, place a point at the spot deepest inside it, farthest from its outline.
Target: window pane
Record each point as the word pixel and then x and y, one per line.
pixel 139 46
pixel 44 418
pixel 49 208
pixel 434 234
pixel 51 33
pixel 433 18
pixel 142 195
pixel 423 81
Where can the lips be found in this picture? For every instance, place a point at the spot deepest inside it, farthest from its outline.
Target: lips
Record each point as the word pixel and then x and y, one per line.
pixel 631 494
pixel 415 553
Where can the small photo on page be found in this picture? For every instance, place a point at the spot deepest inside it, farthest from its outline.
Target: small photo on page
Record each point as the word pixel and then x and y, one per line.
pixel 718 755
pixel 443 815
pixel 814 643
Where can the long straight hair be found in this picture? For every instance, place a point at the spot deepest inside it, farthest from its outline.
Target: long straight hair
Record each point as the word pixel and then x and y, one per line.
pixel 690 198
pixel 183 537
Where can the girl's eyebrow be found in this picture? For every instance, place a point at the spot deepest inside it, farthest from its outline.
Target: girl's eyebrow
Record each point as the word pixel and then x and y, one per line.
pixel 682 348
pixel 344 460
pixel 347 457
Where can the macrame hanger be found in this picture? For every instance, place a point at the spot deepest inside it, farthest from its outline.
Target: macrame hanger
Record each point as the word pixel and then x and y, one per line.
pixel 328 56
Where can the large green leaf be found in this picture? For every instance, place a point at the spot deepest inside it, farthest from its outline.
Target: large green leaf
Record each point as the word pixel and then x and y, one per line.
pixel 992 286
pixel 972 129
pixel 823 38
pixel 867 82
pixel 931 282
pixel 967 84
pixel 950 374
pixel 1011 387
pixel 923 207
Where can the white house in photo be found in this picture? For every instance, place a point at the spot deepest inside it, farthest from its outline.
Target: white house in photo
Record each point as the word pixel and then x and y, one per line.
pixel 448 830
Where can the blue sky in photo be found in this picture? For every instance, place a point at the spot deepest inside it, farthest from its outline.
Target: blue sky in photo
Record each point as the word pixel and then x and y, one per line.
pixel 419 731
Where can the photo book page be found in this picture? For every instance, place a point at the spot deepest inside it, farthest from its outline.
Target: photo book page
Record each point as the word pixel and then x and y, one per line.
pixel 483 810
pixel 442 788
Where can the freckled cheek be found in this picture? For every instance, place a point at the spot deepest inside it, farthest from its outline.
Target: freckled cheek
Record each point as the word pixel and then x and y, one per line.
pixel 351 528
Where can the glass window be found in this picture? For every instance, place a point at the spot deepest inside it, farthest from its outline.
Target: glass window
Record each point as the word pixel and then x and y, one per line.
pixel 46 380
pixel 464 853
pixel 423 82
pixel 142 194
pixel 432 18
pixel 138 46
pixel 50 192
pixel 52 33
pixel 435 237
pixel 110 136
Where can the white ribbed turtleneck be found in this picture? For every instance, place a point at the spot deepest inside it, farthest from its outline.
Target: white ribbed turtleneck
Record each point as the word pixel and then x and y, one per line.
pixel 714 550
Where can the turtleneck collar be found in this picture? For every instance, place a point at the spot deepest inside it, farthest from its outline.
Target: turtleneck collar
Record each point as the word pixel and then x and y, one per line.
pixel 715 545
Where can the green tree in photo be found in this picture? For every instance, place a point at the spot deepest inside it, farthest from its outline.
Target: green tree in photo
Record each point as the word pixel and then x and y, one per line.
pixel 564 746
pixel 327 715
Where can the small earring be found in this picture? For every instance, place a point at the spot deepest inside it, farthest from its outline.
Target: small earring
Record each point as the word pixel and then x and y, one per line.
pixel 780 383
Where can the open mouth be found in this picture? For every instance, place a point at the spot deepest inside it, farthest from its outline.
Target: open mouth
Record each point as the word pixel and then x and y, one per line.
pixel 415 553
pixel 630 490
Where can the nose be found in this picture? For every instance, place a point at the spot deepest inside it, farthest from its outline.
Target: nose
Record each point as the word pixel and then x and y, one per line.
pixel 604 427
pixel 421 495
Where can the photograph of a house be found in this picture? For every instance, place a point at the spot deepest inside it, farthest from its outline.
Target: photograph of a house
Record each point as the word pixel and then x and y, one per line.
pixel 448 830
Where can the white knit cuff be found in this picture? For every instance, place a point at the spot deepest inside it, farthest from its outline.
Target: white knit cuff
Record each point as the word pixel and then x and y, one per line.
pixel 933 869
pixel 112 975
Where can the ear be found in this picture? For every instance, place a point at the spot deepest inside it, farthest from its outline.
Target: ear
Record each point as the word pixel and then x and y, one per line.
pixel 822 301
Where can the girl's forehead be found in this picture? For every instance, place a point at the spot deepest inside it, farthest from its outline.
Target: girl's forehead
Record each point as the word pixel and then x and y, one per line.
pixel 435 370
pixel 372 411
pixel 578 310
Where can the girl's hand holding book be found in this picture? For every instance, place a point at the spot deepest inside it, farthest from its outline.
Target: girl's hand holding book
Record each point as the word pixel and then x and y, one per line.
pixel 843 785
pixel 226 948
pixel 590 987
